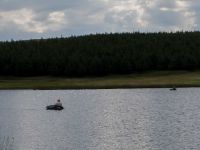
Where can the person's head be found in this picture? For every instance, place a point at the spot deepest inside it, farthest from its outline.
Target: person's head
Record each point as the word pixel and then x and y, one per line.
pixel 58 100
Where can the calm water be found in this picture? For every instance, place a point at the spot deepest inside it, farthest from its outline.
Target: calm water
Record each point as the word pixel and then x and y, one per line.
pixel 133 119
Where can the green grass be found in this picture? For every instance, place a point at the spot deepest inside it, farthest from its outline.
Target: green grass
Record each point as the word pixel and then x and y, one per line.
pixel 144 80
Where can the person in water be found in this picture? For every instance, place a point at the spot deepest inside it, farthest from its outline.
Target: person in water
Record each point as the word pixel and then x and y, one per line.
pixel 58 103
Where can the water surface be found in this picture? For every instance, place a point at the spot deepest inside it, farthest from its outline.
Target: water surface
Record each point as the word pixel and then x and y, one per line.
pixel 120 119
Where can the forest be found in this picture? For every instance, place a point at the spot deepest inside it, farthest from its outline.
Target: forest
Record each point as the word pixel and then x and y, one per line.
pixel 101 54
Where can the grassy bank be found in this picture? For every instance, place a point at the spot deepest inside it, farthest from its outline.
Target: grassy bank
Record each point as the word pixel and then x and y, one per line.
pixel 144 80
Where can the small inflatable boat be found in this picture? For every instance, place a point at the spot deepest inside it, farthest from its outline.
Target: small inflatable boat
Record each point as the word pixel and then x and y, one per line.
pixel 173 89
pixel 54 107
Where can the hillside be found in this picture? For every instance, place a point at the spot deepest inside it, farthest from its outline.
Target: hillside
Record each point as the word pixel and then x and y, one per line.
pixel 101 54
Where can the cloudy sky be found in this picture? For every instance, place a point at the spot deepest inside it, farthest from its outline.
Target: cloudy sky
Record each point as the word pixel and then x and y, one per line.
pixel 26 19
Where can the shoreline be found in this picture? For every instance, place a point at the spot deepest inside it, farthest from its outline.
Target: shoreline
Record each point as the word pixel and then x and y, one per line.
pixel 156 79
pixel 106 88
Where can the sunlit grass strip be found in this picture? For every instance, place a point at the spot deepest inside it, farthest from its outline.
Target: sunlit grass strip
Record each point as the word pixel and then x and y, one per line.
pixel 143 80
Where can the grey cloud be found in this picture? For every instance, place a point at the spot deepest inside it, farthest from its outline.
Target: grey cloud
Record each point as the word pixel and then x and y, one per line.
pixel 164 19
pixel 122 21
pixel 44 5
pixel 70 17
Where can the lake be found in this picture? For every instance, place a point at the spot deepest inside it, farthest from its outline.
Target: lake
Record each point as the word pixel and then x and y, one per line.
pixel 116 119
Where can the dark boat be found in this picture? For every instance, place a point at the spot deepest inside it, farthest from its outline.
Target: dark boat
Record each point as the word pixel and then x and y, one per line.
pixel 54 107
pixel 173 89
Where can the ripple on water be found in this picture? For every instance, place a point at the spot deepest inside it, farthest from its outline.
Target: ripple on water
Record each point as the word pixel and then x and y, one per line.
pixel 142 119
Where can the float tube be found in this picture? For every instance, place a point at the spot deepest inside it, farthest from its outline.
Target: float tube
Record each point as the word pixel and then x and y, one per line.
pixel 54 107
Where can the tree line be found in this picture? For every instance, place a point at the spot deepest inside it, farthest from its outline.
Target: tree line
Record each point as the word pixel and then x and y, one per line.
pixel 101 54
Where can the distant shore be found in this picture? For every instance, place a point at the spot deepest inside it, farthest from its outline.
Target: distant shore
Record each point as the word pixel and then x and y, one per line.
pixel 158 79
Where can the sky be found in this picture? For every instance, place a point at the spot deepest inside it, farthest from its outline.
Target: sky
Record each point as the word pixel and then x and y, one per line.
pixel 33 19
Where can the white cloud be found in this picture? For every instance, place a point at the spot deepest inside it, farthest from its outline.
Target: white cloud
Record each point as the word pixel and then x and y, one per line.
pixel 170 15
pixel 58 17
pixel 26 20
pixel 125 15
pixel 19 17
pixel 43 17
